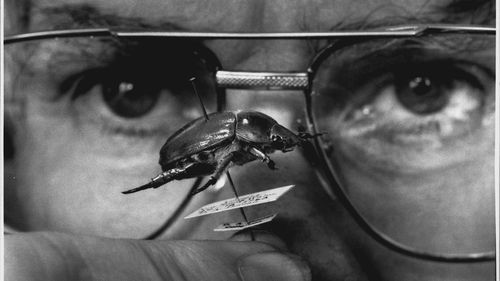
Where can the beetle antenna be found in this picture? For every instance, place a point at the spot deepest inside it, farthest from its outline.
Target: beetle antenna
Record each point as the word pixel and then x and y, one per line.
pixel 199 97
pixel 305 136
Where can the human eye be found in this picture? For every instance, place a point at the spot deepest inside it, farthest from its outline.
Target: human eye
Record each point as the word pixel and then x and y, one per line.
pixel 413 106
pixel 117 95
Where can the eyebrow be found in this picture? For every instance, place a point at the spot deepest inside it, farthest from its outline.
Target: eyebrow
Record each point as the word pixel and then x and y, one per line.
pixel 69 16
pixel 481 12
pixel 476 12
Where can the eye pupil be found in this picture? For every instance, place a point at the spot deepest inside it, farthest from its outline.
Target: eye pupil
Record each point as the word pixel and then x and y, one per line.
pixel 421 86
pixel 128 99
pixel 422 95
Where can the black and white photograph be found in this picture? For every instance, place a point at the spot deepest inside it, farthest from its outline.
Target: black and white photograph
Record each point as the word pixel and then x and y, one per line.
pixel 232 140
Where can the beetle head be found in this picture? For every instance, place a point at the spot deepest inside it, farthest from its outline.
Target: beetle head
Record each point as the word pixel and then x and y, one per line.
pixel 283 139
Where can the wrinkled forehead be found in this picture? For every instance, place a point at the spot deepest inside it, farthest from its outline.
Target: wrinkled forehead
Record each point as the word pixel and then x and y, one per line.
pixel 248 16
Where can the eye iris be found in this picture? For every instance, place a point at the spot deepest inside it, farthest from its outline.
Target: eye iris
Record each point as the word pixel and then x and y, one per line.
pixel 130 100
pixel 422 95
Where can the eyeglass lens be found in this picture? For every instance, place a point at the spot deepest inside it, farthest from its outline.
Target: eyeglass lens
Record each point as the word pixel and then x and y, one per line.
pixel 406 122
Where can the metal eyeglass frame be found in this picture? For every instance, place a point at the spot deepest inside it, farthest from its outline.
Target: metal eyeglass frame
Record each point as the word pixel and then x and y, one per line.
pixel 291 81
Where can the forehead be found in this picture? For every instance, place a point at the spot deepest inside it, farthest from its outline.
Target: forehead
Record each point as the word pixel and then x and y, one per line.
pixel 245 16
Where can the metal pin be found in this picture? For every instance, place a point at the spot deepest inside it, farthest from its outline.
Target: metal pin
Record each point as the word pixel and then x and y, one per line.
pixel 252 237
pixel 199 98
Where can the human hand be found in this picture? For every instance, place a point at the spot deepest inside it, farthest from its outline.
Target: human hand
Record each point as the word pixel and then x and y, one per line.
pixel 57 256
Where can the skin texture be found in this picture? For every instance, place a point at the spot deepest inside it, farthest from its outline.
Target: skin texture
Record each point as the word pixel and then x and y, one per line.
pixel 58 180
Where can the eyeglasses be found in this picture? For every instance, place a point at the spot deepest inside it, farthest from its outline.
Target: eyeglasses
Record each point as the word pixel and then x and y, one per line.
pixel 397 108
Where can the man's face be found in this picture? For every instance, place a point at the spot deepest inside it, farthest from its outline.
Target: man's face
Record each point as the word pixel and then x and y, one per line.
pixel 75 152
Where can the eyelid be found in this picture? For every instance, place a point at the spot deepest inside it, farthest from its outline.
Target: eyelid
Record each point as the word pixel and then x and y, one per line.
pixel 353 72
pixel 80 83
pixel 94 66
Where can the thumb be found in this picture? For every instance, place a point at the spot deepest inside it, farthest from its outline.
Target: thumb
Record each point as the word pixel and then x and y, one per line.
pixel 56 256
pixel 232 260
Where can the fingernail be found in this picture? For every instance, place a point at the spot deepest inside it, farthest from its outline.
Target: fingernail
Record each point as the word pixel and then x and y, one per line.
pixel 260 236
pixel 273 266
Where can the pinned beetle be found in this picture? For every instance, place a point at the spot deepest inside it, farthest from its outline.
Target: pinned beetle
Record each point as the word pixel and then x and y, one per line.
pixel 210 145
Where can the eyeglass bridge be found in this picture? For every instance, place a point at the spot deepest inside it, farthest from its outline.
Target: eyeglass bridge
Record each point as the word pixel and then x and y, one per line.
pixel 262 80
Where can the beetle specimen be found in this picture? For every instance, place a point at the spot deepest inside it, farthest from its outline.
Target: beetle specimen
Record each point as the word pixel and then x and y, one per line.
pixel 210 145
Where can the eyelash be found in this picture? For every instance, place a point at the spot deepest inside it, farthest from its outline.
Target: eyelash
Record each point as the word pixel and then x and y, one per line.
pixel 444 71
pixel 445 67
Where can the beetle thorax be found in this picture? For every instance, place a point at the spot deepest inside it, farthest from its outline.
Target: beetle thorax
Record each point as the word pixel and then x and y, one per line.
pixel 254 127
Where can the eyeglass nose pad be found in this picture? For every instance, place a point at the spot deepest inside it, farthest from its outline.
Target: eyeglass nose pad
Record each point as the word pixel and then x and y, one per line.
pixel 327 146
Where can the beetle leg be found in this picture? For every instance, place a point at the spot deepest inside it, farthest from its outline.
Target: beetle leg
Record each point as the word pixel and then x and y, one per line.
pixel 161 179
pixel 262 156
pixel 221 168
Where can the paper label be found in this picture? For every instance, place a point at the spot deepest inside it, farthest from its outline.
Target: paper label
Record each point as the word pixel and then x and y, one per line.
pixel 262 197
pixel 236 226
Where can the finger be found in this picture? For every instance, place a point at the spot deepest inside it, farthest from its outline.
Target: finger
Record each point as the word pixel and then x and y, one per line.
pixel 260 236
pixel 71 257
pixel 227 260
pixel 273 266
pixel 204 260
